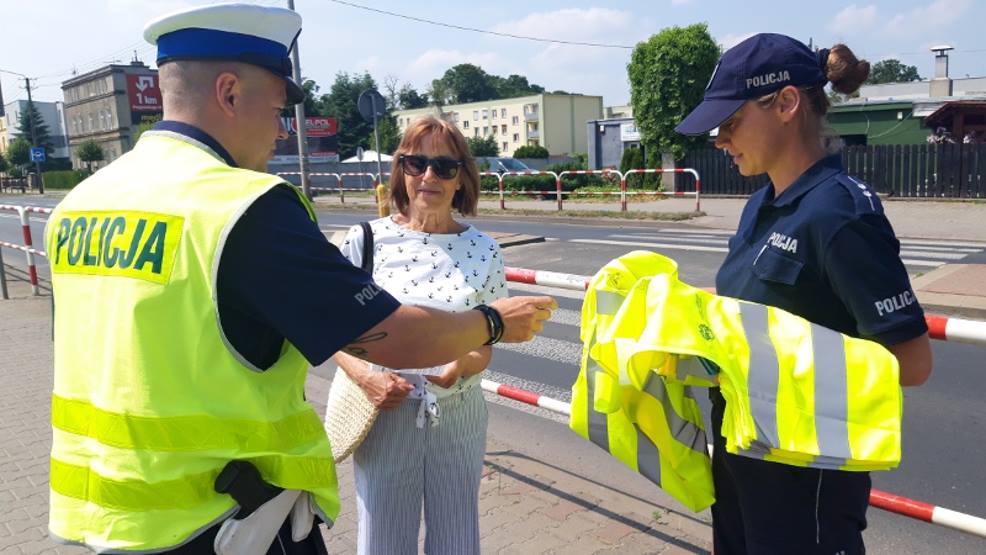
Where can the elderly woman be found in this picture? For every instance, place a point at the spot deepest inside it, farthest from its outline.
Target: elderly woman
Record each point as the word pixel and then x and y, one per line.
pixel 428 442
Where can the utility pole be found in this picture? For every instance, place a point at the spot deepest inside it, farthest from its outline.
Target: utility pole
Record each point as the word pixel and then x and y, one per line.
pixel 34 135
pixel 299 115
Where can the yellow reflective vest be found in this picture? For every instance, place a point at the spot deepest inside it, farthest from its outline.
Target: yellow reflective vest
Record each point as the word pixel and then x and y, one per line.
pixel 150 400
pixel 796 393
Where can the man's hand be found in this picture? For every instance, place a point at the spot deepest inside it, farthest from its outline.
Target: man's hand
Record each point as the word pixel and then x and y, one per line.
pixel 385 390
pixel 523 316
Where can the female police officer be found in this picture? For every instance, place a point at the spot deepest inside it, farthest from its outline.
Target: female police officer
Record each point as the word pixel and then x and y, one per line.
pixel 814 242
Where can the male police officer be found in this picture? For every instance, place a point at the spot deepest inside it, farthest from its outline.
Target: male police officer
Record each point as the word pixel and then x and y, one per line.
pixel 193 292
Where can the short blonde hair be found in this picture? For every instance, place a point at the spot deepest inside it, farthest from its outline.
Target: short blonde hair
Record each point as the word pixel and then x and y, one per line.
pixel 466 199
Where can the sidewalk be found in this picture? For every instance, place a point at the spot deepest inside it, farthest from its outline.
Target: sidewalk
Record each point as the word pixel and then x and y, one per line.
pixel 527 505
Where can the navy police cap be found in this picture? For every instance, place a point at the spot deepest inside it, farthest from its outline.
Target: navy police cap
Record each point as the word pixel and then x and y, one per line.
pixel 256 35
pixel 756 67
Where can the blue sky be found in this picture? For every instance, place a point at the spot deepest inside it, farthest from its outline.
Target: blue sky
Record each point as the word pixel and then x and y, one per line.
pixel 337 38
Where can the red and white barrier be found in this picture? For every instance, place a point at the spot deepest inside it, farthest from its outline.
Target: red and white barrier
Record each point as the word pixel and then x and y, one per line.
pixel 879 499
pixel 698 183
pixel 558 192
pixel 528 397
pixel 24 212
pixel 939 327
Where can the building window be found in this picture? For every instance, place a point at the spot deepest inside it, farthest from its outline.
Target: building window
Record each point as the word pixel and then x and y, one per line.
pixel 504 149
pixel 476 132
pixel 92 123
pixel 516 137
pixel 475 115
pixel 486 130
pixel 494 130
pixel 465 124
pixel 493 114
pixel 455 117
pixel 515 120
pixel 486 114
pixel 503 113
pixel 503 129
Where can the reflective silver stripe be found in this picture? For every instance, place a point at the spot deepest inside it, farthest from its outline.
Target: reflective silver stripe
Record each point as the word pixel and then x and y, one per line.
pixel 831 393
pixel 608 302
pixel 648 458
pixel 598 425
pixel 762 378
pixel 682 430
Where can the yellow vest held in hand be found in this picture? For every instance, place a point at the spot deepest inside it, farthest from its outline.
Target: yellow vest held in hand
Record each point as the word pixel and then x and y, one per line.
pixel 150 400
pixel 796 393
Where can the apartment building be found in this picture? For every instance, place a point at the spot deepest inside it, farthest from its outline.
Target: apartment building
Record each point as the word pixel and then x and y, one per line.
pixel 52 115
pixel 106 104
pixel 554 121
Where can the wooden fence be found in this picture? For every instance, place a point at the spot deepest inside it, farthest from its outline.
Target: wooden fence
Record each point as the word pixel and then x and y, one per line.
pixel 916 171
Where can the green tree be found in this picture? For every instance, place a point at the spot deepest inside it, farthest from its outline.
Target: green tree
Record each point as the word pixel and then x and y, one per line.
pixel 4 164
pixel 514 85
pixel 531 151
pixel 469 83
pixel 668 74
pixel 340 103
pixel 408 98
pixel 19 152
pixel 390 135
pixel 90 152
pixel 483 146
pixel 439 93
pixel 892 71
pixel 42 134
pixel 145 125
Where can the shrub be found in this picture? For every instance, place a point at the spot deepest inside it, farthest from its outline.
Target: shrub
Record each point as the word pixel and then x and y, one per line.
pixel 63 179
pixel 531 151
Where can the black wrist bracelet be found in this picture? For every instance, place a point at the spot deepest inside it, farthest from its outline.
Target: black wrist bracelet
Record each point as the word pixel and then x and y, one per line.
pixel 493 321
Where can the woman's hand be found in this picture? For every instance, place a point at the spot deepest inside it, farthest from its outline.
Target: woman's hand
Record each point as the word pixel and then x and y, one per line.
pixel 470 365
pixel 448 377
pixel 385 390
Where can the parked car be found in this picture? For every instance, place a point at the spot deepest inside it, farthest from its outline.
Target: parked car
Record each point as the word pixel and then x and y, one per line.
pixel 500 164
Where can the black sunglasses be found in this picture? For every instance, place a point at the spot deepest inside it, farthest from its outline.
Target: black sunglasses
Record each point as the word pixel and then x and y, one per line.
pixel 444 168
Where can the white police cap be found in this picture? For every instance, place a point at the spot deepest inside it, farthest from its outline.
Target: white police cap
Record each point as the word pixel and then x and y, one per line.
pixel 248 33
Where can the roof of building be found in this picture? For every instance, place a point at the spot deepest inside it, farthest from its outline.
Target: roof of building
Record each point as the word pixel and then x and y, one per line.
pixel 944 114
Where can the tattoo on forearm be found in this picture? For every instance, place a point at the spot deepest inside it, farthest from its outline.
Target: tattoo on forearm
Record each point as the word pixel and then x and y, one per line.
pixel 357 351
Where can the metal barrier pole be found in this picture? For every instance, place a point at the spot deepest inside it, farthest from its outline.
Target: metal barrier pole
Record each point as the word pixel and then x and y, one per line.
pixel 26 231
pixel 3 278
pixel 558 189
pixel 623 193
pixel 499 181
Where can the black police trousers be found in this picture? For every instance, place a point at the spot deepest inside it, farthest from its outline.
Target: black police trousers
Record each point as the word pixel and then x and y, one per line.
pixel 283 545
pixel 771 508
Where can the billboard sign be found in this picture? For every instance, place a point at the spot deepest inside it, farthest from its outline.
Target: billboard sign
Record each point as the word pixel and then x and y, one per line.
pixel 323 144
pixel 144 94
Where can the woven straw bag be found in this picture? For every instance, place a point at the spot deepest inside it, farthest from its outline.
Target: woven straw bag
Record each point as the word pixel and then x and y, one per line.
pixel 349 415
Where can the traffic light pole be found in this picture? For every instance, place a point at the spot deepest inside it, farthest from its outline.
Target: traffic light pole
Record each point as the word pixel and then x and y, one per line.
pixel 299 115
pixel 34 135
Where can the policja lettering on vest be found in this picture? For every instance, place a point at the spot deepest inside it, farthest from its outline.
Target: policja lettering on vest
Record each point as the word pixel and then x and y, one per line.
pixel 133 244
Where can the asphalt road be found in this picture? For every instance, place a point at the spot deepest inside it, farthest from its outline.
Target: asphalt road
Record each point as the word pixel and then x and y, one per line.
pixel 944 420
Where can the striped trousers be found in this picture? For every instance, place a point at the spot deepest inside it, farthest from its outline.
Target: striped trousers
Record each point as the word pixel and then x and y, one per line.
pixel 400 468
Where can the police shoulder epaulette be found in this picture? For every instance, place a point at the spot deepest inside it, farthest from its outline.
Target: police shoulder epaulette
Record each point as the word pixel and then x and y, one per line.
pixel 864 198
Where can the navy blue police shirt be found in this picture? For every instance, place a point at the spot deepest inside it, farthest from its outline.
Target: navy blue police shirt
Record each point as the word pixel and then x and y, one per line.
pixel 825 251
pixel 279 279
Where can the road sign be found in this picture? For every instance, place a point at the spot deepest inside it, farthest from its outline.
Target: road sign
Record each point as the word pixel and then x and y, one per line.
pixel 37 154
pixel 370 104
